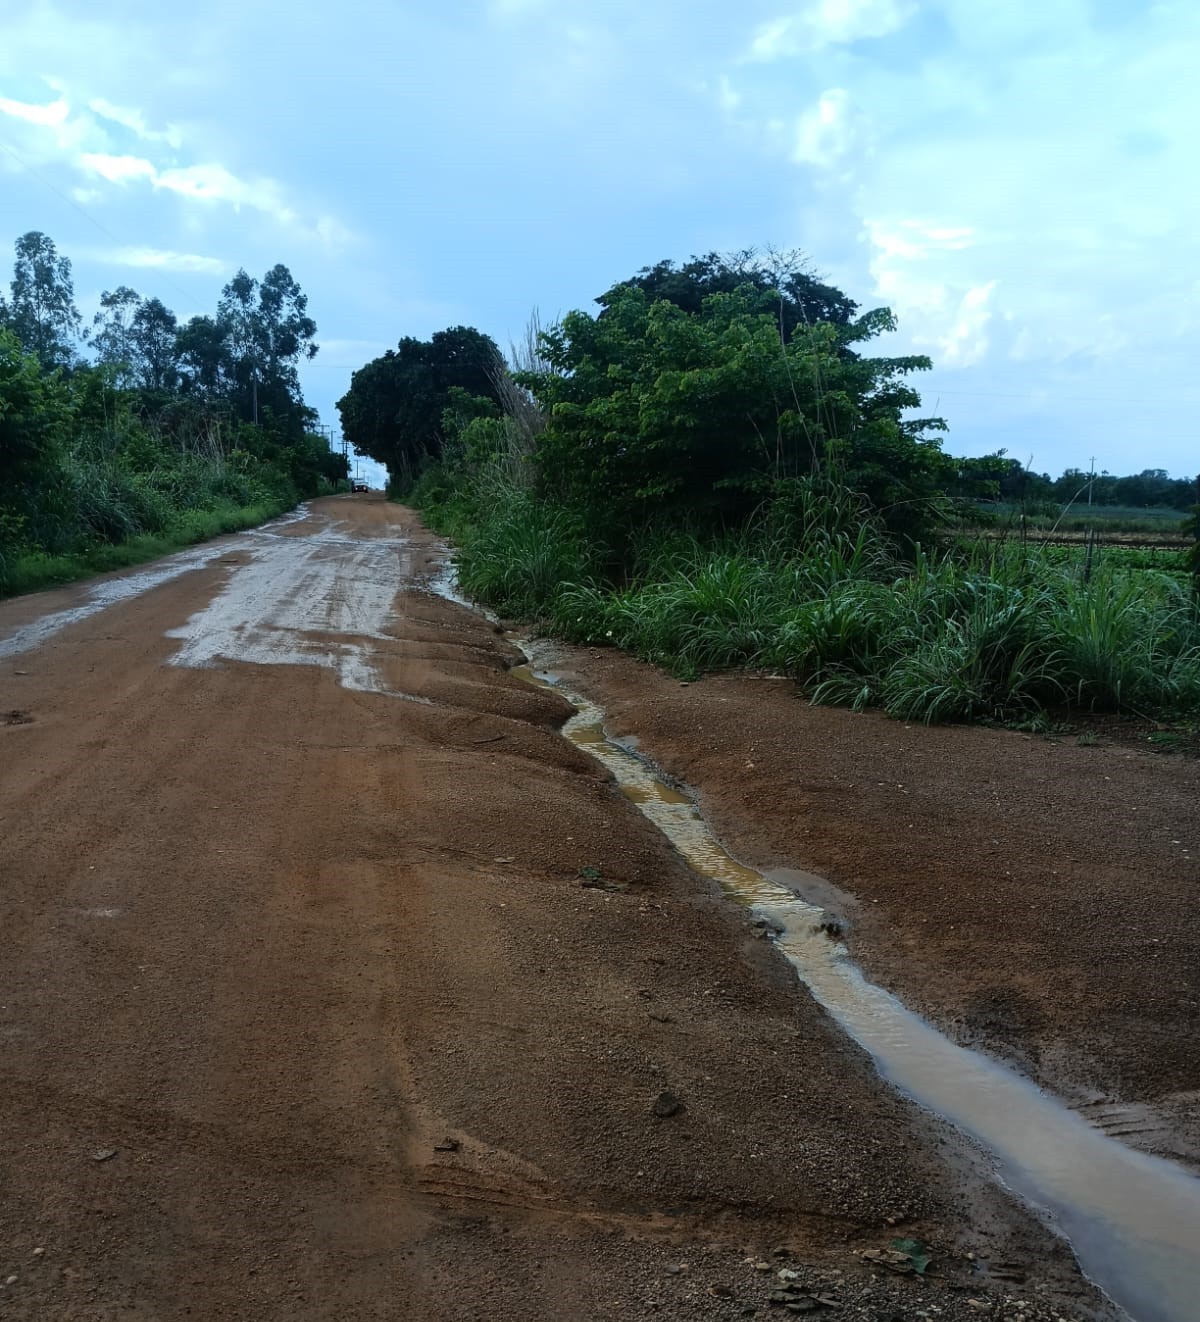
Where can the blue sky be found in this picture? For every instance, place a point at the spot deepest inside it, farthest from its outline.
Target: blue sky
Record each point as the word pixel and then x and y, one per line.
pixel 1016 180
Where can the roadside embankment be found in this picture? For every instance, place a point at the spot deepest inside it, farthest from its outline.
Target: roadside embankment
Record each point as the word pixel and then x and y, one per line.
pixel 1035 897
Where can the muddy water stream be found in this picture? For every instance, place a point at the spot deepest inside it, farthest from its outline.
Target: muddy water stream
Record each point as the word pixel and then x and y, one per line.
pixel 1132 1219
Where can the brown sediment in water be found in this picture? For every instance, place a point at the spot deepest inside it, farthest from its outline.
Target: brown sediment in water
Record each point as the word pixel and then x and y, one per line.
pixel 1033 896
pixel 1132 1219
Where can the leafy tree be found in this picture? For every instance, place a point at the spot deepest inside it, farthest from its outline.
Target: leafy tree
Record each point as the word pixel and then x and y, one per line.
pixel 241 341
pixel 997 477
pixel 656 410
pixel 369 410
pixel 394 410
pixel 154 335
pixel 286 330
pixel 1192 529
pixel 1153 487
pixel 112 335
pixel 782 284
pixel 312 459
pixel 202 354
pixel 266 333
pixel 137 338
pixel 158 427
pixel 42 311
pixel 30 411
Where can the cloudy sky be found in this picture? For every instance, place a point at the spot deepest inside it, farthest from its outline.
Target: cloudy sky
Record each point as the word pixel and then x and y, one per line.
pixel 1016 179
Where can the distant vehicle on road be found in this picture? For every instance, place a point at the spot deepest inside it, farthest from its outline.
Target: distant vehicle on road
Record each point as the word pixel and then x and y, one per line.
pixel 359 485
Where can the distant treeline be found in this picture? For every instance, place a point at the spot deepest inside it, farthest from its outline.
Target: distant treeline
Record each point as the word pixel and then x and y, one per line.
pixel 1008 480
pixel 140 427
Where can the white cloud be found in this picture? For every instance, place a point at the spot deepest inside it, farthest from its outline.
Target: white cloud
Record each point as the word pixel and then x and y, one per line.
pixel 47 116
pixel 825 23
pixel 773 40
pixel 210 183
pixel 940 308
pixel 915 240
pixel 85 139
pixel 1026 169
pixel 824 133
pixel 116 169
pixel 965 342
pixel 135 122
pixel 1027 232
pixel 214 183
pixel 159 259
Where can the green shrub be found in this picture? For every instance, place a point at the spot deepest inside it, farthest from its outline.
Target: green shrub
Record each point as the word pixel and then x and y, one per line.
pixel 813 588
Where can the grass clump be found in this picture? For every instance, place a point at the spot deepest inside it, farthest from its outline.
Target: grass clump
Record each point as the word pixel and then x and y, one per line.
pixel 960 634
pixel 35 571
pixel 519 560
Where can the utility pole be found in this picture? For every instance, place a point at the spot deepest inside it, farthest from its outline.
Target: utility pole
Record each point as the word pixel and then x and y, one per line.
pixel 1091 536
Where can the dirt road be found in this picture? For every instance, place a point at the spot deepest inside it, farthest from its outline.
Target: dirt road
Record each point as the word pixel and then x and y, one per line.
pixel 305 1013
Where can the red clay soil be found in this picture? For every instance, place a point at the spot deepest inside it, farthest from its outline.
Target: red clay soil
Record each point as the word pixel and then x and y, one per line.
pixel 305 1014
pixel 1038 898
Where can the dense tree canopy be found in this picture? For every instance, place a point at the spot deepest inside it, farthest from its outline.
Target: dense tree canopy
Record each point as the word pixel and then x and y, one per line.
pixel 393 411
pixel 154 340
pixel 655 408
pixel 1192 528
pixel 780 284
pixel 170 419
pixel 697 391
pixel 996 477
pixel 112 332
pixel 29 413
pixel 244 359
pixel 263 333
pixel 1149 488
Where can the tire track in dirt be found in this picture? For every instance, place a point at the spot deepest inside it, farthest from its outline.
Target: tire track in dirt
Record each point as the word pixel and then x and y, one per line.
pixel 273 941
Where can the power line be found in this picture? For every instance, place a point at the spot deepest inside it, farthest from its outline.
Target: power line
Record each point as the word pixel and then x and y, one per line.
pixel 70 201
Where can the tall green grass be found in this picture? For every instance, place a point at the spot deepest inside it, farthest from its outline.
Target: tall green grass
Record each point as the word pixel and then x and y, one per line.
pixel 33 571
pixel 953 635
pixel 107 502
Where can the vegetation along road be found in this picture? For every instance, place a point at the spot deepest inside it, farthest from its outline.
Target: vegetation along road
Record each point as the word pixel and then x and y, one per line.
pixel 338 984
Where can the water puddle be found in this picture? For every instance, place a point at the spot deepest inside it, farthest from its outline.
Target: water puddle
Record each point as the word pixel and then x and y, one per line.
pixel 111 592
pixel 324 599
pixel 1132 1219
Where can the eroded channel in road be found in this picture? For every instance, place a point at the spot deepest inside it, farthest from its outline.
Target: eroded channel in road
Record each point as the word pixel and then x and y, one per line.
pixel 1132 1219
